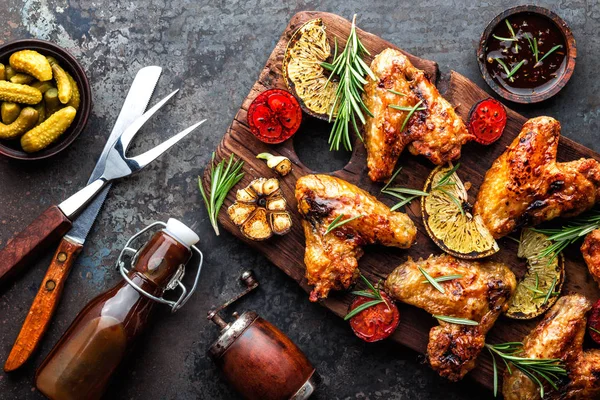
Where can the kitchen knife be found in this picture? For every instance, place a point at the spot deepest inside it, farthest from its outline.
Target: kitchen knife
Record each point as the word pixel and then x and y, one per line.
pixel 42 309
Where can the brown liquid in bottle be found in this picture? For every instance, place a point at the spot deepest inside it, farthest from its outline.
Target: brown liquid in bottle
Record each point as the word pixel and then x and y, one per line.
pixel 84 359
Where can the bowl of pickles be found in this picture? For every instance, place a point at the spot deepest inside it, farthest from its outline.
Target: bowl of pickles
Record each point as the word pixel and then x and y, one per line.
pixel 45 99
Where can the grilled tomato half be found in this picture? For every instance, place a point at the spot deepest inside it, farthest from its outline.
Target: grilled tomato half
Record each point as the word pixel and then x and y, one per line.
pixel 274 116
pixel 375 322
pixel 487 121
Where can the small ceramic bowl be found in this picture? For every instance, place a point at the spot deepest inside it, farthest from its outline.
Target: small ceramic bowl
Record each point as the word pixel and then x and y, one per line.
pixel 12 148
pixel 549 90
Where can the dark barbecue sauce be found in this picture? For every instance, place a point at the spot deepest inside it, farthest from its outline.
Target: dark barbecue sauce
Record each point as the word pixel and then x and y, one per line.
pixel 531 77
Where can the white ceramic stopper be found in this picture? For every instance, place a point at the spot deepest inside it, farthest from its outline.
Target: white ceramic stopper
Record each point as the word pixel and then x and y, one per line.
pixel 179 231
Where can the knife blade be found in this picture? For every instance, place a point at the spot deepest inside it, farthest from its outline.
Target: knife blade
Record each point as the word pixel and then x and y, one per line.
pixel 38 319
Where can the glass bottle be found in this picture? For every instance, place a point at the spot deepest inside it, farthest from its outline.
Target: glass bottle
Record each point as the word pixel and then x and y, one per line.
pixel 81 363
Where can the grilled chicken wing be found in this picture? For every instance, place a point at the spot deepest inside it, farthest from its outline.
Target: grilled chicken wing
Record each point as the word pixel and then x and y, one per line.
pixel 591 253
pixel 436 132
pixel 480 295
pixel 332 259
pixel 526 186
pixel 560 335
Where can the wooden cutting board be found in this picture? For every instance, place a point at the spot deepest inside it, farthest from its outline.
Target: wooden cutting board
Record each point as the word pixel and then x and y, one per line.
pixel 287 252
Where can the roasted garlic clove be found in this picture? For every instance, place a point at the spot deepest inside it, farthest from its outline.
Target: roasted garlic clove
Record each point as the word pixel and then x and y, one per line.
pixel 257 227
pixel 240 212
pixel 276 202
pixel 281 222
pixel 282 165
pixel 260 210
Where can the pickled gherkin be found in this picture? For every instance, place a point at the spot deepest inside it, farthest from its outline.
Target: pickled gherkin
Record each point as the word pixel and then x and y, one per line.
pixel 76 96
pixel 52 102
pixel 26 119
pixel 22 79
pixel 9 112
pixel 16 93
pixel 32 63
pixel 9 72
pixel 48 131
pixel 41 109
pixel 43 86
pixel 63 85
pixel 2 72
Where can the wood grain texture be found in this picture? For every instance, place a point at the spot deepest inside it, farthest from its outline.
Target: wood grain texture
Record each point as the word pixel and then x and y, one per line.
pixel 287 252
pixel 42 309
pixel 25 246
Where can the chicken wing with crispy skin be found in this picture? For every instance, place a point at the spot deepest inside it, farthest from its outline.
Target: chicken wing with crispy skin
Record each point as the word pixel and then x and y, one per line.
pixel 436 132
pixel 591 253
pixel 559 335
pixel 480 295
pixel 332 259
pixel 526 186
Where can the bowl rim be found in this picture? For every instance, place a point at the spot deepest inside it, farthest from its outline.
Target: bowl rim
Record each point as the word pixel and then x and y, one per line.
pixel 70 63
pixel 571 54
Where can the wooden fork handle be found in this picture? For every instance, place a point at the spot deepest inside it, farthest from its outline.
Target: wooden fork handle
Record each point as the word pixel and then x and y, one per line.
pixel 43 307
pixel 25 246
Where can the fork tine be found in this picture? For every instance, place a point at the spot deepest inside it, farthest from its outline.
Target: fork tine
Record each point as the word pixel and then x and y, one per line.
pixel 146 158
pixel 135 126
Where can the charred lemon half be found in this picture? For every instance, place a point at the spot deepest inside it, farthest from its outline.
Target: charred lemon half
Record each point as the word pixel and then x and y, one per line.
pixel 260 210
pixel 304 75
pixel 448 219
pixel 542 283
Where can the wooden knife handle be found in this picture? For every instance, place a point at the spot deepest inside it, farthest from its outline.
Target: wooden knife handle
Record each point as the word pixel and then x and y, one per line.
pixel 43 307
pixel 23 248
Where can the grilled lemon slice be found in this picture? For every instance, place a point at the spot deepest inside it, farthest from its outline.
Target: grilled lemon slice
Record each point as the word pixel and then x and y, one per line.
pixel 544 275
pixel 448 219
pixel 304 75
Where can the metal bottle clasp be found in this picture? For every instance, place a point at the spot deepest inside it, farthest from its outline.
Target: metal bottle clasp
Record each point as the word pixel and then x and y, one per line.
pixel 173 283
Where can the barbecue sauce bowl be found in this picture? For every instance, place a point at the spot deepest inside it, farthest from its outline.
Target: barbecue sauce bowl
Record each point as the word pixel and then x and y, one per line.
pixel 527 54
pixel 12 148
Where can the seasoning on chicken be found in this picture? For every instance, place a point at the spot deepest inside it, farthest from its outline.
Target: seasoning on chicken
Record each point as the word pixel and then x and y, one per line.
pixel 436 132
pixel 526 186
pixel 559 335
pixel 480 295
pixel 332 258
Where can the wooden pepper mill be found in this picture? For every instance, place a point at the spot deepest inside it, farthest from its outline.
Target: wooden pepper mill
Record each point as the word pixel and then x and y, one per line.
pixel 259 360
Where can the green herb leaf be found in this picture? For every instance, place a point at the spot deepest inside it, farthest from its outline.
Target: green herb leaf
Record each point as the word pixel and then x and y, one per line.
pixel 536 369
pixel 454 320
pixel 503 39
pixel 223 177
pixel 405 108
pixel 336 223
pixel 351 71
pixel 361 308
pixel 410 114
pixel 445 278
pixel 432 281
pixel 512 32
pixel 391 179
pixel 366 293
pixel 594 330
pixel 446 177
pixel 395 92
pixel 550 291
pixel 552 50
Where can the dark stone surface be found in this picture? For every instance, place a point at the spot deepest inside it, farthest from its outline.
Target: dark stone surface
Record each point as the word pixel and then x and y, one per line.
pixel 214 51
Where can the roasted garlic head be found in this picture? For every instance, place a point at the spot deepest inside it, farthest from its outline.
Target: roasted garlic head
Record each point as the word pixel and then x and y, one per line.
pixel 260 210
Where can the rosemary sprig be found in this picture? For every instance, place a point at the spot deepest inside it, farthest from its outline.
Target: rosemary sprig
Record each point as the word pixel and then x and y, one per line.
pixel 406 108
pixel 371 293
pixel 396 92
pixel 410 114
pixel 336 223
pixel 550 291
pixel 433 282
pixel 510 72
pixel 444 278
pixel 405 195
pixel 552 50
pixel 570 233
pixel 594 329
pixel 351 70
pixel 223 177
pixel 455 320
pixel 514 37
pixel 533 45
pixel 536 369
pixel 445 182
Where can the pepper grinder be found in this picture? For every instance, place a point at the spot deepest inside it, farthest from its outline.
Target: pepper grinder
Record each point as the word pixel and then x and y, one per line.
pixel 259 360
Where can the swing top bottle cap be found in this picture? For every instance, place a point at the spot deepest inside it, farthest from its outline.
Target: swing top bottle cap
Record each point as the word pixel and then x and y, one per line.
pixel 181 232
